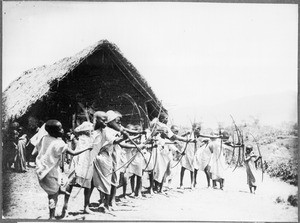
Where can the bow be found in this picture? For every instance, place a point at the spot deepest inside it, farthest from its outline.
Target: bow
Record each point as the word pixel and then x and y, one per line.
pixel 130 160
pixel 150 138
pixel 134 104
pixel 261 165
pixel 221 142
pixel 183 153
pixel 233 150
pixel 146 115
pixel 240 142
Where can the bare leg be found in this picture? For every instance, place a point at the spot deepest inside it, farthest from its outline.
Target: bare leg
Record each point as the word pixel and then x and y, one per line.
pixel 214 184
pixel 138 186
pixel 155 186
pixel 132 183
pixel 221 183
pixel 124 186
pixel 254 187
pixel 192 178
pixel 181 176
pixel 206 171
pixel 52 205
pixel 102 198
pixel 66 201
pixel 195 177
pixel 151 182
pixel 162 182
pixel 106 202
pixel 87 195
pixel 112 196
pixel 141 184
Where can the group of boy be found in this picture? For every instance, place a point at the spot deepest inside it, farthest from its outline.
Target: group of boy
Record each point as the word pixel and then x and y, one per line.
pixel 106 154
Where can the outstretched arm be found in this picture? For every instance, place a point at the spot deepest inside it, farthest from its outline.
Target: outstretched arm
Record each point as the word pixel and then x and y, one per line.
pixel 75 153
pixel 133 131
pixel 180 138
pixel 233 145
pixel 131 146
pixel 209 136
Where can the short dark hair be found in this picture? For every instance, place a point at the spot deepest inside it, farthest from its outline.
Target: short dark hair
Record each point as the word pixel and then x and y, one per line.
pixel 54 128
pixel 163 115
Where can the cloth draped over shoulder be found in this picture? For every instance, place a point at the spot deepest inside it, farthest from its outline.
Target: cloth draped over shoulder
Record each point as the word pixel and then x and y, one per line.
pixel 162 156
pixel 103 163
pixel 138 164
pixel 188 160
pixel 251 170
pixel 202 157
pixel 83 163
pixel 149 155
pixel 217 162
pixel 171 150
pixel 20 162
pixel 49 150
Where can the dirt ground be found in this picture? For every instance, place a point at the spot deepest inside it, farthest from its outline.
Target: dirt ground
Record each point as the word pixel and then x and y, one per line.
pixel 23 198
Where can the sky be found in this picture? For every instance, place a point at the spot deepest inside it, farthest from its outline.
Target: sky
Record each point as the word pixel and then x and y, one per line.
pixel 193 55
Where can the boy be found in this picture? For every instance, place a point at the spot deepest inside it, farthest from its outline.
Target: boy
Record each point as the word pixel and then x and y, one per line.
pixel 83 168
pixel 105 163
pixel 50 149
pixel 250 160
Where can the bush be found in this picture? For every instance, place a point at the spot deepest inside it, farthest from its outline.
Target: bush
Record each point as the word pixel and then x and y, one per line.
pixel 285 170
pixel 279 200
pixel 293 200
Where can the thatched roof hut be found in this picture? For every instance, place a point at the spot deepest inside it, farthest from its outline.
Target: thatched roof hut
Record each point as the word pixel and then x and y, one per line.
pixel 94 77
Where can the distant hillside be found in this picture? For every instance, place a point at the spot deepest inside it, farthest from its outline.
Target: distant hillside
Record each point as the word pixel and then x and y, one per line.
pixel 270 109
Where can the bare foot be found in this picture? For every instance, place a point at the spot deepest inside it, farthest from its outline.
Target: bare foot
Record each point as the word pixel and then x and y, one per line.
pixel 131 195
pixel 106 209
pixel 87 210
pixel 64 212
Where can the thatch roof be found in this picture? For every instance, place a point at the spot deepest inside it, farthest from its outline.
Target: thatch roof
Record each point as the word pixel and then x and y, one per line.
pixel 33 84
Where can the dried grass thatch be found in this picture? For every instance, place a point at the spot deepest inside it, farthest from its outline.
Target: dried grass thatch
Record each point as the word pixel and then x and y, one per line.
pixel 33 84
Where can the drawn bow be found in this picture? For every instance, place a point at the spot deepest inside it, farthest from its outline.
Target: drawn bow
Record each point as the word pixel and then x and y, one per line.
pixel 186 144
pixel 151 137
pixel 134 104
pixel 240 144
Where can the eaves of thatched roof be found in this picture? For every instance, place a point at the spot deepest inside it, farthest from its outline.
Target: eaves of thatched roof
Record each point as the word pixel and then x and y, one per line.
pixel 33 84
